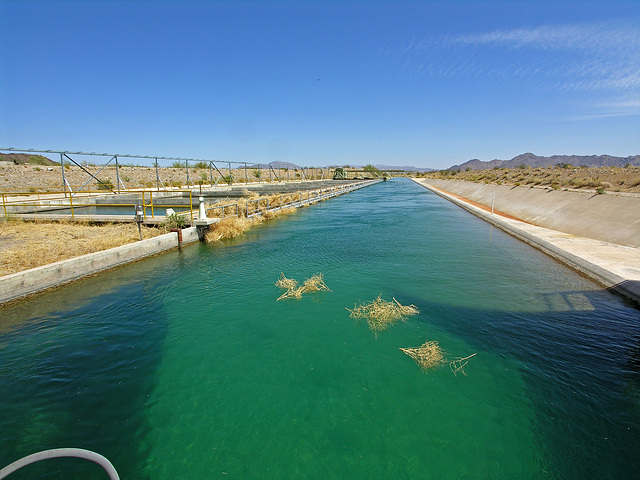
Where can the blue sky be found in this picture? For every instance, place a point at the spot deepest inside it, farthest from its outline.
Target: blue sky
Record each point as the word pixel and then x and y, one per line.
pixel 421 83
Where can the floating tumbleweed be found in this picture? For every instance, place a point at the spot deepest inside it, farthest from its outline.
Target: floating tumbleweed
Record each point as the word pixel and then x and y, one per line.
pixel 286 283
pixel 381 314
pixel 429 355
pixel 313 284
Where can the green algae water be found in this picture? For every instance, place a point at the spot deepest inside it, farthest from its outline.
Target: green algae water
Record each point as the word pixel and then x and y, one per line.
pixel 184 366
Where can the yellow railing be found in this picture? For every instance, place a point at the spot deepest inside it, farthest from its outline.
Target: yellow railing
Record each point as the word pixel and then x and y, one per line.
pixel 66 201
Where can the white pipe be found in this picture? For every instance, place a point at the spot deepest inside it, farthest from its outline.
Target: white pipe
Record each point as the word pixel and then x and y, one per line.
pixel 58 453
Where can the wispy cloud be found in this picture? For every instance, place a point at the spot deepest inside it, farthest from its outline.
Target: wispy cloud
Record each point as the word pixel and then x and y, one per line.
pixel 589 61
pixel 561 57
pixel 598 37
pixel 617 108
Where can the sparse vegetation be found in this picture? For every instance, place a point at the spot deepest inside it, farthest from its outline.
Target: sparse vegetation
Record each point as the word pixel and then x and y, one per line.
pixel 105 184
pixel 174 220
pixel 25 245
pixel 625 179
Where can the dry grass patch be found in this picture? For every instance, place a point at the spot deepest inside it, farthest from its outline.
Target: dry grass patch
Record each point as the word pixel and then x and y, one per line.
pixel 228 228
pixel 276 213
pixel 25 245
pixel 381 314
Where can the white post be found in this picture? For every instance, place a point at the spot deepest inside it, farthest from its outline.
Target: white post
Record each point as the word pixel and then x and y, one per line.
pixel 201 212
pixel 493 197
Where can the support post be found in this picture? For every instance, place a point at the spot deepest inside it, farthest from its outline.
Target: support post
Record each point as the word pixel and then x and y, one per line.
pixel 71 203
pixel 64 180
pixel 157 178
pixel 179 232
pixel 186 164
pixel 117 173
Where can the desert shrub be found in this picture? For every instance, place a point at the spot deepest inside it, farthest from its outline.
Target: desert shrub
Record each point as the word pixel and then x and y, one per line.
pixel 105 184
pixel 174 220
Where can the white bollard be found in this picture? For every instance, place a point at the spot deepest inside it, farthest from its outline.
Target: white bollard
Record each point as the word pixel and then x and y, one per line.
pixel 201 213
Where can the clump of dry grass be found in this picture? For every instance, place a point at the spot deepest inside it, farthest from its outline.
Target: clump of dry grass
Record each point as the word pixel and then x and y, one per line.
pixel 228 228
pixel 286 283
pixel 276 213
pixel 381 314
pixel 315 284
pixel 293 290
pixel 292 293
pixel 429 355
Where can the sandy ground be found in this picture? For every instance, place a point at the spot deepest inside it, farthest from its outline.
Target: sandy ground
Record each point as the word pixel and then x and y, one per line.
pixel 27 178
pixel 25 245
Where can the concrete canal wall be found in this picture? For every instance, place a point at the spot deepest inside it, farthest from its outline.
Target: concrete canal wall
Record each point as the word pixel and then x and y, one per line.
pixel 615 266
pixel 30 281
pixel 610 218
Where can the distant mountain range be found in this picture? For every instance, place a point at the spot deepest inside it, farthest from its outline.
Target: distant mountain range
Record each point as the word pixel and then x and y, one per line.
pixel 26 159
pixel 531 160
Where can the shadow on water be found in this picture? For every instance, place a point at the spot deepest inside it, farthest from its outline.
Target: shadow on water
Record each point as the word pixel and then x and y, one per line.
pixel 78 368
pixel 571 356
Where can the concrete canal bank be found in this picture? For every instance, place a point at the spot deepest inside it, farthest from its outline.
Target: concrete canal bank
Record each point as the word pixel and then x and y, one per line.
pixel 605 249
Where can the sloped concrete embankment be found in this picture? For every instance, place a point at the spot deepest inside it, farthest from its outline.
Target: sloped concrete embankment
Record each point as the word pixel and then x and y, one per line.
pixel 610 218
pixel 34 280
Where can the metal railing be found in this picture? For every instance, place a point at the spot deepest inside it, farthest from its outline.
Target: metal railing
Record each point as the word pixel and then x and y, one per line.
pixel 212 171
pixel 44 207
pixel 223 209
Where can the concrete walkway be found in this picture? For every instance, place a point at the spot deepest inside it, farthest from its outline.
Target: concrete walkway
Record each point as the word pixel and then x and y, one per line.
pixel 614 266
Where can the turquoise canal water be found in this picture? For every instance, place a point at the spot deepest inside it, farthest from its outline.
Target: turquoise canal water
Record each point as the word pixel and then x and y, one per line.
pixel 185 366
